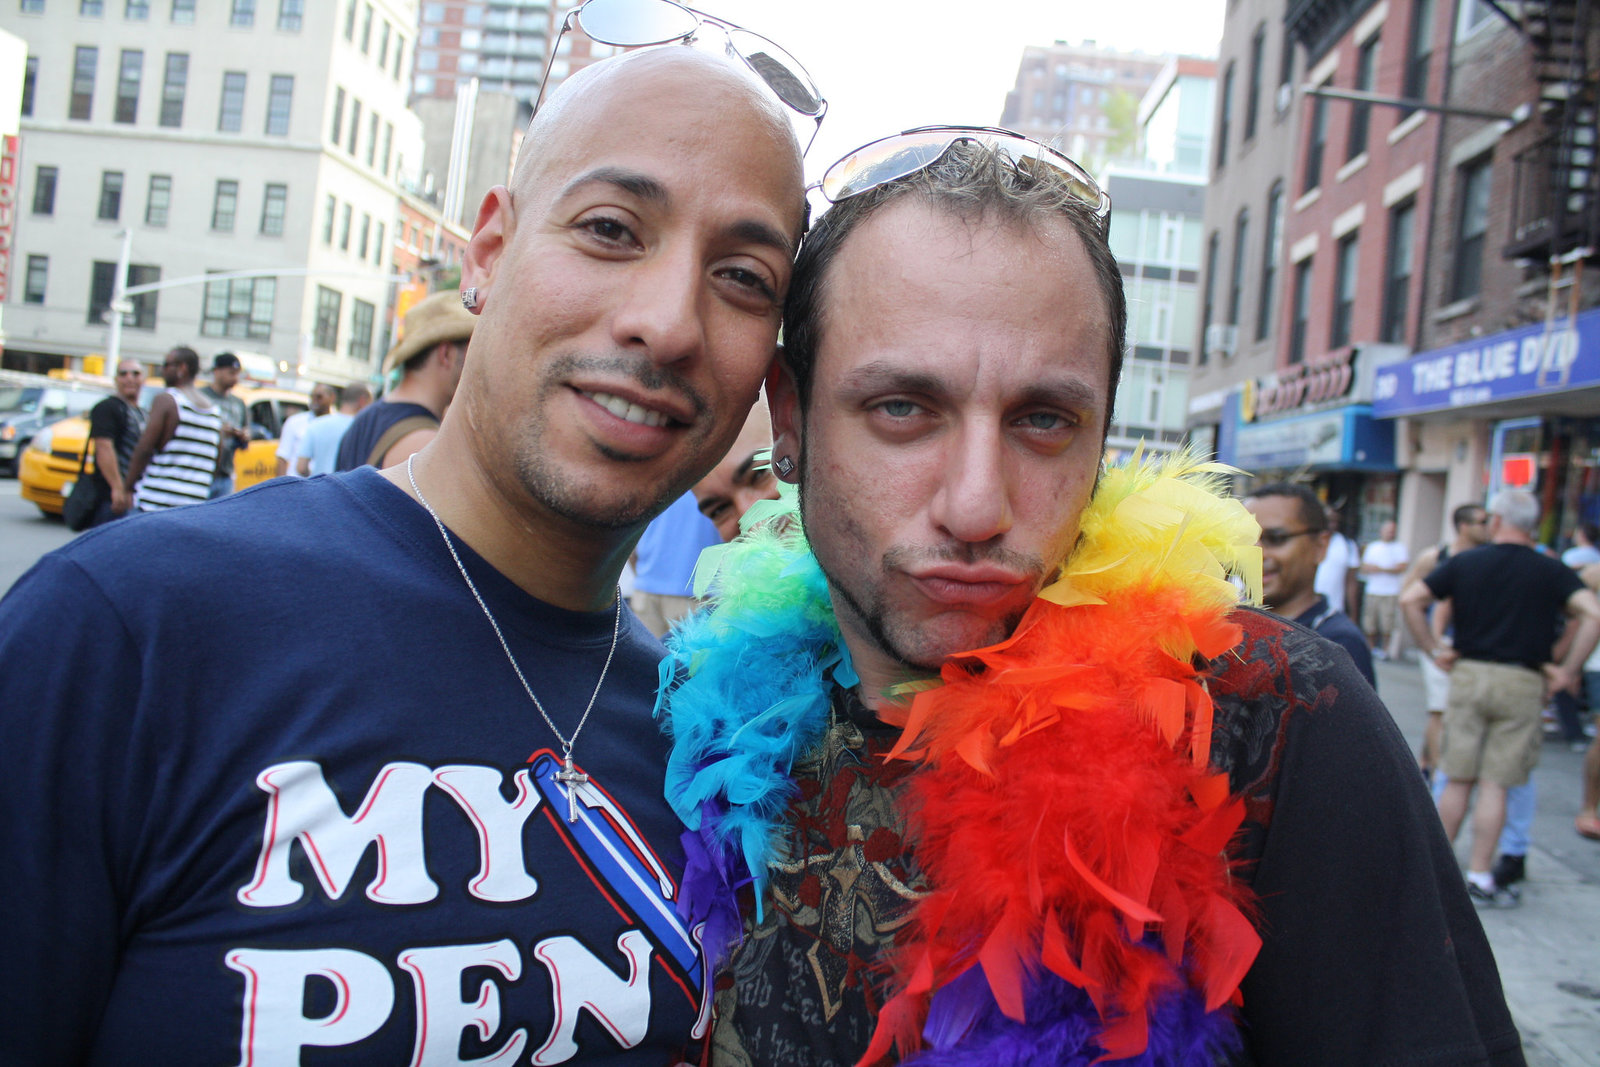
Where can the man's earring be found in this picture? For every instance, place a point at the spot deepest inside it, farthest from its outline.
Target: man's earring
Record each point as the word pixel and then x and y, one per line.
pixel 469 297
pixel 784 466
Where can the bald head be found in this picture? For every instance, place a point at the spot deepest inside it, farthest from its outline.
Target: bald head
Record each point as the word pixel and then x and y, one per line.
pixel 593 93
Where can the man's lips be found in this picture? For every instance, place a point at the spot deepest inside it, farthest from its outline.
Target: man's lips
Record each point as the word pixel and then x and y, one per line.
pixel 969 585
pixel 652 413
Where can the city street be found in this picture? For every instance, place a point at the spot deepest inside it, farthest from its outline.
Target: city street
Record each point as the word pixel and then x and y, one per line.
pixel 25 533
pixel 1548 949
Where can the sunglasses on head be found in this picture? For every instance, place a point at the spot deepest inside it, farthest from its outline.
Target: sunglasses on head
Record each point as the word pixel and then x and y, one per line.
pixel 640 23
pixel 900 155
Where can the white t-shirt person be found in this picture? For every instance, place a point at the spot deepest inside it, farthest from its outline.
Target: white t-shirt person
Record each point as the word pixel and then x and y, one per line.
pixel 1342 557
pixel 1385 554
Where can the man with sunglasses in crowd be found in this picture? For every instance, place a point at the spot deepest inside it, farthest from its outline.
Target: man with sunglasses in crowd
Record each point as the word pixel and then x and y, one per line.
pixel 219 859
pixel 1135 805
pixel 1294 539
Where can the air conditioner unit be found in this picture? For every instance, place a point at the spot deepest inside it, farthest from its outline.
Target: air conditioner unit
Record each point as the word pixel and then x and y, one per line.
pixel 1221 339
pixel 1285 97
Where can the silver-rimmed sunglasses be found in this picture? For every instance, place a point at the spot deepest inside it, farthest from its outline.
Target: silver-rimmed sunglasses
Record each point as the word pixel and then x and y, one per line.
pixel 639 23
pixel 889 158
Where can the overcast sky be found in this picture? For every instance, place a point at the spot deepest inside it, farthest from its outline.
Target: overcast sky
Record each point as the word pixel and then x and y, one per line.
pixel 887 65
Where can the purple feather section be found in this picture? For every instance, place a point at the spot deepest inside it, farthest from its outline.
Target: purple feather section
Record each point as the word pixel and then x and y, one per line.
pixel 713 874
pixel 965 1026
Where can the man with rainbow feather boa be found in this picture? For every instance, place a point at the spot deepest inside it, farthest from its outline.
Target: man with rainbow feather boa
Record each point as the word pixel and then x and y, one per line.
pixel 981 759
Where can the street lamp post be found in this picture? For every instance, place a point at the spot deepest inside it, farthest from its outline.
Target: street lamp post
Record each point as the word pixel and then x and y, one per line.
pixel 120 305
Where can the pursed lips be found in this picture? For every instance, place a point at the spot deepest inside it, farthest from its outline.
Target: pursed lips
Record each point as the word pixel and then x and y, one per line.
pixel 972 585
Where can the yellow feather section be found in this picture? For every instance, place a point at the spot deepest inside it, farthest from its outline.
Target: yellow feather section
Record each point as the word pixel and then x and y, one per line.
pixel 1163 521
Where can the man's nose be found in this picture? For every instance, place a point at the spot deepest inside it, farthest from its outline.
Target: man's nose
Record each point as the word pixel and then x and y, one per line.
pixel 973 501
pixel 659 307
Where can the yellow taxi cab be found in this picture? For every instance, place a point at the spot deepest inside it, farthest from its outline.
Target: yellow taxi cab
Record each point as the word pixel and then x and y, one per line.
pixel 50 462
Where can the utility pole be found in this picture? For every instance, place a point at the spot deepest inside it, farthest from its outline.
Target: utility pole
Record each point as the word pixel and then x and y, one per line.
pixel 119 300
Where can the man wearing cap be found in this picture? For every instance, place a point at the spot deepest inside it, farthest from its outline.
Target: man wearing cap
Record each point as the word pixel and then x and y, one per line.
pixel 455 848
pixel 429 355
pixel 225 370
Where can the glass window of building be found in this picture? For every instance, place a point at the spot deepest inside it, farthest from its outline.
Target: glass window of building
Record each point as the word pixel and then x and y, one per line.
pixel 158 201
pixel 230 112
pixel 225 205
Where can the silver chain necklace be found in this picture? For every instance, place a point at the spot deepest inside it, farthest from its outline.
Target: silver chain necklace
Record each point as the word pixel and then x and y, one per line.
pixel 567 775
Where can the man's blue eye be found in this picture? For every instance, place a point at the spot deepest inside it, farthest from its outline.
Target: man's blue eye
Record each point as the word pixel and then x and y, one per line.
pixel 898 408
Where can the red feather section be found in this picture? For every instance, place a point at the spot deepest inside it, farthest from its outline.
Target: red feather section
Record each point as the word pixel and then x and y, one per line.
pixel 1063 810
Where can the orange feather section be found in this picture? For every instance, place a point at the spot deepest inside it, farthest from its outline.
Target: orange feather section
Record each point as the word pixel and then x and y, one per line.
pixel 1063 810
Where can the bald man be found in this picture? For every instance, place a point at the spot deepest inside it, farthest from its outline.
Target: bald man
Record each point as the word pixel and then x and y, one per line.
pixel 742 478
pixel 459 851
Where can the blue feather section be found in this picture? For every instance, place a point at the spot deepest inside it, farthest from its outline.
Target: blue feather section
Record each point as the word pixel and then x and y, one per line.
pixel 740 718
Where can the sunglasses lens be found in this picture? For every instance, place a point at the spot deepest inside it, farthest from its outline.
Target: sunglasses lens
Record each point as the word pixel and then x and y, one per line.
pixel 635 22
pixel 882 162
pixel 781 71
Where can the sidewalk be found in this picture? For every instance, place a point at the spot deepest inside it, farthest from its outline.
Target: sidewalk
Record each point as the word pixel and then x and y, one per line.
pixel 1548 950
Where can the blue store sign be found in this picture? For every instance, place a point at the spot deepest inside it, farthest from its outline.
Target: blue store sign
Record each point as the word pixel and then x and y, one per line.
pixel 1517 363
pixel 1344 438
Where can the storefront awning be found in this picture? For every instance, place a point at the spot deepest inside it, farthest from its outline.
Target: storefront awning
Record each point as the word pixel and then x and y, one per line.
pixel 1344 438
pixel 1516 364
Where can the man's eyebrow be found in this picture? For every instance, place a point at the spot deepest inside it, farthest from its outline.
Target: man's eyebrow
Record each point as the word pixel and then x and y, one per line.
pixel 629 181
pixel 1068 392
pixel 743 470
pixel 751 231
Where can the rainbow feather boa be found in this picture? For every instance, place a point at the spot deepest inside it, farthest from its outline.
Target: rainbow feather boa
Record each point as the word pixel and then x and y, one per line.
pixel 1081 906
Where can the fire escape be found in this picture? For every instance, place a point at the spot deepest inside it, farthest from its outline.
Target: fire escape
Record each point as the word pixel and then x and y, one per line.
pixel 1556 205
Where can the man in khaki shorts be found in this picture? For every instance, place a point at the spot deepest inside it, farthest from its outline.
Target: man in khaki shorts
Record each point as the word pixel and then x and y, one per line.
pixel 1506 598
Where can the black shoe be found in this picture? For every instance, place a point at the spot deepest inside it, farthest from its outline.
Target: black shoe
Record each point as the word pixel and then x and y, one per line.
pixel 1510 869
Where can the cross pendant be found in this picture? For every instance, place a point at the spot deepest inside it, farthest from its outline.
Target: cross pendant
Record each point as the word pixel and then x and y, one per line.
pixel 571 779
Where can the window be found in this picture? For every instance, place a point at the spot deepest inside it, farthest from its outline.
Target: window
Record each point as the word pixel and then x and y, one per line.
pixel 84 61
pixel 230 116
pixel 182 10
pixel 377 247
pixel 1397 273
pixel 128 77
pixel 337 133
pixel 102 284
pixel 239 308
pixel 1208 301
pixel 1344 291
pixel 327 220
pixel 388 144
pixel 361 315
pixel 372 140
pixel 92 8
pixel 1224 117
pixel 1258 56
pixel 144 304
pixel 366 30
pixel 225 205
pixel 366 235
pixel 244 13
pixel 1285 69
pixel 1241 238
pixel 291 13
pixel 1302 310
pixel 350 21
pixel 344 230
pixel 1419 53
pixel 30 77
pixel 327 329
pixel 1271 254
pixel 137 10
pixel 1361 114
pixel 280 98
pixel 273 207
pixel 110 195
pixel 1472 224
pixel 33 7
pixel 172 90
pixel 44 191
pixel 102 280
pixel 383 46
pixel 1316 140
pixel 158 202
pixel 400 46
pixel 34 282
pixel 355 123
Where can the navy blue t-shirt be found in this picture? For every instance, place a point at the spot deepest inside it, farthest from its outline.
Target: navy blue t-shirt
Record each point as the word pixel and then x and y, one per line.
pixel 363 435
pixel 274 795
pixel 1337 627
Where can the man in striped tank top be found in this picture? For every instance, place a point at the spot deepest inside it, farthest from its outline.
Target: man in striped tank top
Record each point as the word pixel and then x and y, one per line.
pixel 174 461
